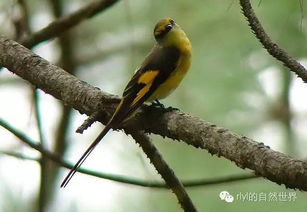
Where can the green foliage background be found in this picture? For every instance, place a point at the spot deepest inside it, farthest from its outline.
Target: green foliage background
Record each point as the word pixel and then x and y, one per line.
pixel 223 87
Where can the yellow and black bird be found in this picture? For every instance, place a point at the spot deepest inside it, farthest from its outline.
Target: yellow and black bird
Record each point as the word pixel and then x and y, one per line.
pixel 159 74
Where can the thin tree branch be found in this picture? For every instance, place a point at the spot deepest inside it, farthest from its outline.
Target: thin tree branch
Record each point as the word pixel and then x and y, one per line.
pixel 66 22
pixel 286 114
pixel 88 122
pixel 245 152
pixel 117 178
pixel 163 169
pixel 38 117
pixel 268 44
pixel 43 192
pixel 18 155
pixel 218 180
pixel 22 26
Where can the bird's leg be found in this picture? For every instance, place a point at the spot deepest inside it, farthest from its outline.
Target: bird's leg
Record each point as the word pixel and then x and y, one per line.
pixel 157 103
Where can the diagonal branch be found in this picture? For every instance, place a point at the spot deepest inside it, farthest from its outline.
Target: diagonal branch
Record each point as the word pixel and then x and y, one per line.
pixel 66 22
pixel 245 152
pixel 268 44
pixel 163 169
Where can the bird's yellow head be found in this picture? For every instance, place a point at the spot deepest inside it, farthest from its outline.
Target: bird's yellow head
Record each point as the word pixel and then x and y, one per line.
pixel 163 28
pixel 168 33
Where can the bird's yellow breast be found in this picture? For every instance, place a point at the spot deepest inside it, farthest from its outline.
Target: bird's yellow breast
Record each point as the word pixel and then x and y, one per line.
pixel 176 77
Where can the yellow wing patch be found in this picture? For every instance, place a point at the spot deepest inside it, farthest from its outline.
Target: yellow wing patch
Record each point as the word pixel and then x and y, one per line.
pixel 146 78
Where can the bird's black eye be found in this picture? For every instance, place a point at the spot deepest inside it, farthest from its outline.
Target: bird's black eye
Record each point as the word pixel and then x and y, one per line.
pixel 168 27
pixel 163 27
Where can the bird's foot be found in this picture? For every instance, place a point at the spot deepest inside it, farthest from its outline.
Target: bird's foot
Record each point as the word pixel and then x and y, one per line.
pixel 159 105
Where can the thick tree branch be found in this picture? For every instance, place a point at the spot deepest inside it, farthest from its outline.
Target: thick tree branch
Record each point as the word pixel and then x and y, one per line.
pixel 268 44
pixel 245 152
pixel 163 169
pixel 66 22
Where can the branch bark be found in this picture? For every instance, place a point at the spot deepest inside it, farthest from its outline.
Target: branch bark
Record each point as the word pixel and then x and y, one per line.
pixel 245 152
pixel 164 170
pixel 268 44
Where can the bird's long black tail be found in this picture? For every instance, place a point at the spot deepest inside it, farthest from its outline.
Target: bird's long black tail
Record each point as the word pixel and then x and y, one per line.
pixel 85 155
pixel 122 111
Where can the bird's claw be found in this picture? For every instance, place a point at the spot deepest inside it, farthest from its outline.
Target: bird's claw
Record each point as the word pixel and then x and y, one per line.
pixel 159 105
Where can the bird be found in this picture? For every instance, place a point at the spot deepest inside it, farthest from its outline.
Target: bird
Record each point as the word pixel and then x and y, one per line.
pixel 158 76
